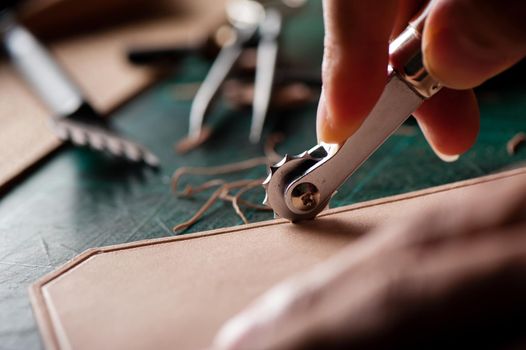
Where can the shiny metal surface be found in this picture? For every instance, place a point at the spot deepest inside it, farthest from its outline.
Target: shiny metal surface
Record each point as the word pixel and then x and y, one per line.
pixel 305 196
pixel 327 166
pixel 245 16
pixel 406 60
pixel 267 55
pixel 327 173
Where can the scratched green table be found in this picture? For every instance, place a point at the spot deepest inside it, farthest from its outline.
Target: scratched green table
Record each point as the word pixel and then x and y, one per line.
pixel 79 199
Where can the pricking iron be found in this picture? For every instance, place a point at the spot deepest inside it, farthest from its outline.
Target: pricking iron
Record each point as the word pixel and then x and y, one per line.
pixel 300 187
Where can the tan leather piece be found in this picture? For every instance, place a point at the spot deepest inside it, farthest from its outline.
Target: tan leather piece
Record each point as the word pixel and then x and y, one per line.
pixel 175 293
pixel 98 64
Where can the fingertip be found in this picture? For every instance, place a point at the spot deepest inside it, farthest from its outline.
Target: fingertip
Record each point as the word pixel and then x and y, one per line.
pixel 323 131
pixel 354 65
pixel 362 93
pixel 233 335
pixel 330 130
pixel 445 157
pixel 450 121
pixel 352 85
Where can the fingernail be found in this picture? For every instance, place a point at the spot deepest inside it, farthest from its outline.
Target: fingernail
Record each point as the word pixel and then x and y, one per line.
pixel 322 124
pixel 446 157
pixel 325 129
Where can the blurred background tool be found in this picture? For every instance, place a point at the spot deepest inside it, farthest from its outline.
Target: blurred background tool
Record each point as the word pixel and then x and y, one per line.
pixel 74 119
pixel 75 199
pixel 267 54
pixel 248 18
pixel 88 39
pixel 245 16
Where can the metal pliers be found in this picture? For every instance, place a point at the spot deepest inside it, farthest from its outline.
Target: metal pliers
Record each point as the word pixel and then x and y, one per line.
pixel 300 187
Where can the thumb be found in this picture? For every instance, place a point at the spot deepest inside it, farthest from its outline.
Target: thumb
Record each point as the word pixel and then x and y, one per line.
pixel 466 42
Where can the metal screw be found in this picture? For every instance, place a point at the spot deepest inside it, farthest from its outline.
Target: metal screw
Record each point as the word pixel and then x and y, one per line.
pixel 305 196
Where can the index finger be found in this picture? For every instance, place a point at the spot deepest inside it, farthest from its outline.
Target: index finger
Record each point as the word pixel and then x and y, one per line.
pixel 354 67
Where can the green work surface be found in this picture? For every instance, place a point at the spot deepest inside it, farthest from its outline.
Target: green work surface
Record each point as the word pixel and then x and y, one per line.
pixel 79 199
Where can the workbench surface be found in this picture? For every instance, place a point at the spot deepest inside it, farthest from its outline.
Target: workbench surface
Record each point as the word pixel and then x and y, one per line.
pixel 78 199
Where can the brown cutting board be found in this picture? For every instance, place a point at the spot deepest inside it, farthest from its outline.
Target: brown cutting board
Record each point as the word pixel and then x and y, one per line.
pixel 96 60
pixel 175 293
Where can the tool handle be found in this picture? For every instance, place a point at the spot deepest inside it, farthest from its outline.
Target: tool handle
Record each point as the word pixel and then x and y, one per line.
pixel 40 70
pixel 405 56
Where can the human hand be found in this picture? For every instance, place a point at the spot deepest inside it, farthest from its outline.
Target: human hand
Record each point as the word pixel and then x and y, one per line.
pixel 455 274
pixel 465 42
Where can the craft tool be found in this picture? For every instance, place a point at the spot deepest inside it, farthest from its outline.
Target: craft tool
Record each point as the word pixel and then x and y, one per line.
pixel 300 187
pixel 248 18
pixel 74 119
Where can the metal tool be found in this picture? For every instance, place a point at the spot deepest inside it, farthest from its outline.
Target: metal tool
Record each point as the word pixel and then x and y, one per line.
pixel 74 120
pixel 300 187
pixel 267 54
pixel 248 17
pixel 245 16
